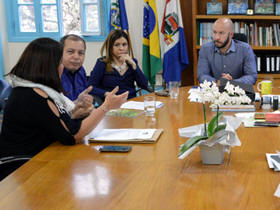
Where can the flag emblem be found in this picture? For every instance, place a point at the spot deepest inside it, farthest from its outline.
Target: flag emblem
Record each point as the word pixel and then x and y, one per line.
pixel 171 27
pixel 175 57
pixel 115 16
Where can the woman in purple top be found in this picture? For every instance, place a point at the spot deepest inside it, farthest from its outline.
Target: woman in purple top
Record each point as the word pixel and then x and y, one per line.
pixel 116 68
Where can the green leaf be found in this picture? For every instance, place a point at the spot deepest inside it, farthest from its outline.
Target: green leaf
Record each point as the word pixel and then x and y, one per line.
pixel 219 128
pixel 213 124
pixel 189 143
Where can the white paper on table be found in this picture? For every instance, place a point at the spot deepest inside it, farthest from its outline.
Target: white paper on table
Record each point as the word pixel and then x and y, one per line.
pixel 123 134
pixel 245 115
pixel 247 118
pixel 273 161
pixel 269 162
pixel 194 89
pixel 138 105
pixel 277 192
pixel 194 97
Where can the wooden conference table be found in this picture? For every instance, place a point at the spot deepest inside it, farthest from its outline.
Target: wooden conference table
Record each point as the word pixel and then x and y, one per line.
pixel 150 176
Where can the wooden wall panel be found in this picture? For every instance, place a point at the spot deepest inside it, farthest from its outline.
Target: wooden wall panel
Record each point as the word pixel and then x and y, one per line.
pixel 187 74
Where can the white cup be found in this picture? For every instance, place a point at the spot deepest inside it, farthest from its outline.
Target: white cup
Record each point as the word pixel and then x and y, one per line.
pixel 149 105
pixel 173 89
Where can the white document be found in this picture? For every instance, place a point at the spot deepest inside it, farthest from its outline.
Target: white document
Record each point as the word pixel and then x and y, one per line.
pixel 194 94
pixel 138 105
pixel 273 161
pixel 269 162
pixel 194 97
pixel 277 192
pixel 245 115
pixel 123 134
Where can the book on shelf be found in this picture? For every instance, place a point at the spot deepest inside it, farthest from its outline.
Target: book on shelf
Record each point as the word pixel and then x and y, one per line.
pixel 259 63
pixel 272 65
pixel 268 63
pixel 256 35
pixel 277 63
pixel 235 108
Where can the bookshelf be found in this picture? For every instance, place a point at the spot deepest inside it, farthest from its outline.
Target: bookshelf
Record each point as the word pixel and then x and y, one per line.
pixel 199 16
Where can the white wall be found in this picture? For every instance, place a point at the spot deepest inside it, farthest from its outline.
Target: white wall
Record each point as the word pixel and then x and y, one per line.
pixel 134 9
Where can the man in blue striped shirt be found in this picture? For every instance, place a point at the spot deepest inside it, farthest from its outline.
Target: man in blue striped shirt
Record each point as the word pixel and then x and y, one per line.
pixel 225 57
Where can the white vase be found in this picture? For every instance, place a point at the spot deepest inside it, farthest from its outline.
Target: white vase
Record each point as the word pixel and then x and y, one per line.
pixel 212 155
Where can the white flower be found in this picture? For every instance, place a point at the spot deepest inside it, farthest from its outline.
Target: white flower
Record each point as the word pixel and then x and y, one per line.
pixel 229 88
pixel 205 85
pixel 239 91
pixel 232 96
pixel 245 99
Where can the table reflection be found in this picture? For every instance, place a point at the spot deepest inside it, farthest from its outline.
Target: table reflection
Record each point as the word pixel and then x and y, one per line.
pixel 92 184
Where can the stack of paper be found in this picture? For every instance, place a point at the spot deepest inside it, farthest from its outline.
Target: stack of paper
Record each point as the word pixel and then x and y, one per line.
pixel 138 105
pixel 125 135
pixel 122 134
pixel 235 108
pixel 273 161
pixel 194 94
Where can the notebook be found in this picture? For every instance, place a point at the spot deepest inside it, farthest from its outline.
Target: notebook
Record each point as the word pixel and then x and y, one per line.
pixel 126 135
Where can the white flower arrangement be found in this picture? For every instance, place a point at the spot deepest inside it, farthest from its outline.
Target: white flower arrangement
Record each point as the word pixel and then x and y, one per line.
pixel 233 95
pixel 216 131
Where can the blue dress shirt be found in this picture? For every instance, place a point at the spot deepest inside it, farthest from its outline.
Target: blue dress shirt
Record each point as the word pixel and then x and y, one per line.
pixel 74 83
pixel 103 81
pixel 239 61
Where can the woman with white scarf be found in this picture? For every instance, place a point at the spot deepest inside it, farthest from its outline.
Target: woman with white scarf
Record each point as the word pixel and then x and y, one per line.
pixel 37 113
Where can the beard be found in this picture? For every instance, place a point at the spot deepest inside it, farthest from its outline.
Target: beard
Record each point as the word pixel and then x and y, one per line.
pixel 223 44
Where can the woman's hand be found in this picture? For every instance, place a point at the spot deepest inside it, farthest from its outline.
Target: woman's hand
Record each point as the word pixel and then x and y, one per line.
pixel 84 99
pixel 113 101
pixel 128 59
pixel 81 112
pixel 83 104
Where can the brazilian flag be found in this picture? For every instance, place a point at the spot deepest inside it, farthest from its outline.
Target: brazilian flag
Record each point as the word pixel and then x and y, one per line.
pixel 151 60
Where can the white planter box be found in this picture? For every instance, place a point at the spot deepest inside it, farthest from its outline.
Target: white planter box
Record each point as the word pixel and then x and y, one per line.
pixel 212 155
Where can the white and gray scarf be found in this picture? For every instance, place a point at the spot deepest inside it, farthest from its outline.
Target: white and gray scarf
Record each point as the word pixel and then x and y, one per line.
pixel 61 101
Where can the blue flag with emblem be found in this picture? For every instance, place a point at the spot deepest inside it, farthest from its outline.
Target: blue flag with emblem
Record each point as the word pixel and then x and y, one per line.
pixel 118 17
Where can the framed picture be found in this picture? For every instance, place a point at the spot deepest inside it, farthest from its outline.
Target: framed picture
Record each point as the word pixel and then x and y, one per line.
pixel 214 8
pixel 277 8
pixel 237 7
pixel 264 7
